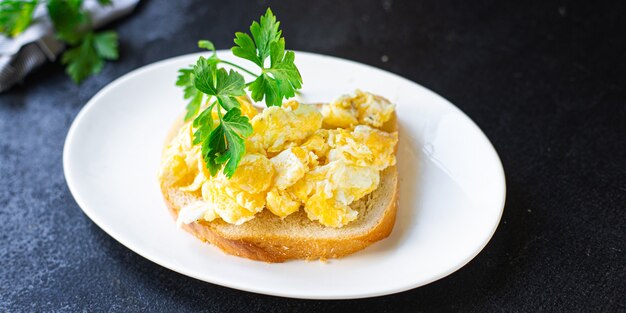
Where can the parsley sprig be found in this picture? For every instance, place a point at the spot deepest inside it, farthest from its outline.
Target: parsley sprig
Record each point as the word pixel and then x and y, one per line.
pixel 15 16
pixel 87 50
pixel 211 89
pixel 281 78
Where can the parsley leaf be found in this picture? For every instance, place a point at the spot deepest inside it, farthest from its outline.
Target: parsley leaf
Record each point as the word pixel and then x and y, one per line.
pixel 203 125
pixel 236 128
pixel 284 69
pixel 82 60
pixel 106 45
pixel 217 82
pixel 281 79
pixel 265 86
pixel 246 49
pixel 204 76
pixel 264 34
pixel 284 80
pixel 67 17
pixel 185 80
pixel 212 147
pixel 88 57
pixel 194 105
pixel 87 51
pixel 15 16
pixel 226 143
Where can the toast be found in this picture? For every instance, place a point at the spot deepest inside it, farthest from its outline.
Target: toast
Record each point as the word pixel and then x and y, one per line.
pixel 269 238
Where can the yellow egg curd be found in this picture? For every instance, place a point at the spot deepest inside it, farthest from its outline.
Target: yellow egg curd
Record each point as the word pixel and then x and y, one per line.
pixel 299 156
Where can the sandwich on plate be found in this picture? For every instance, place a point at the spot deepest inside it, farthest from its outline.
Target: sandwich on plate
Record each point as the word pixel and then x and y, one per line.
pixel 291 181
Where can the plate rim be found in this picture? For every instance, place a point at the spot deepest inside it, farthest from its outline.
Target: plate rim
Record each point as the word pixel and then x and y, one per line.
pixel 82 204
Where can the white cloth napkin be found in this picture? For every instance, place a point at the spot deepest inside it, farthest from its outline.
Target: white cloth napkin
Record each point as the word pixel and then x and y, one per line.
pixel 37 44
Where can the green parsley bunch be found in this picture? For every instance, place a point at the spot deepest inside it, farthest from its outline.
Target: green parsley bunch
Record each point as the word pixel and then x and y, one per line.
pixel 223 145
pixel 87 49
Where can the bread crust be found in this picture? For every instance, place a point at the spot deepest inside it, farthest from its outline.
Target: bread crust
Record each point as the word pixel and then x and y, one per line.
pixel 281 248
pixel 276 248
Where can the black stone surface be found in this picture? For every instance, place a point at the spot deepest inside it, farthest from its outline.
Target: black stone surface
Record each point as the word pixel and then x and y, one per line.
pixel 545 80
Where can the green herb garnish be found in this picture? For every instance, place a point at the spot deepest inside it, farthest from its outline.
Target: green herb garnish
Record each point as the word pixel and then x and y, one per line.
pixel 87 50
pixel 15 16
pixel 223 145
pixel 281 79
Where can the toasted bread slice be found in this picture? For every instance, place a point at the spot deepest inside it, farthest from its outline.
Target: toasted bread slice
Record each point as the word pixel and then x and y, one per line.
pixel 269 238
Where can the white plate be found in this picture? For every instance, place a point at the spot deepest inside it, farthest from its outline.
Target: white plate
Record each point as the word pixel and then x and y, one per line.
pixel 452 185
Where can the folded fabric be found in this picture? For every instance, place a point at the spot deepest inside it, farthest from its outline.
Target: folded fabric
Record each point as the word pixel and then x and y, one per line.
pixel 38 44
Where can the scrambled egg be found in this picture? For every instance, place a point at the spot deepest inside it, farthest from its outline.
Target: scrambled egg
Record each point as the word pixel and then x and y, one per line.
pixel 362 108
pixel 298 157
pixel 278 128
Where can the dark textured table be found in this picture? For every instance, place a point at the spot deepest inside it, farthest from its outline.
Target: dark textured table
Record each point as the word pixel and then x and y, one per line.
pixel 545 81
